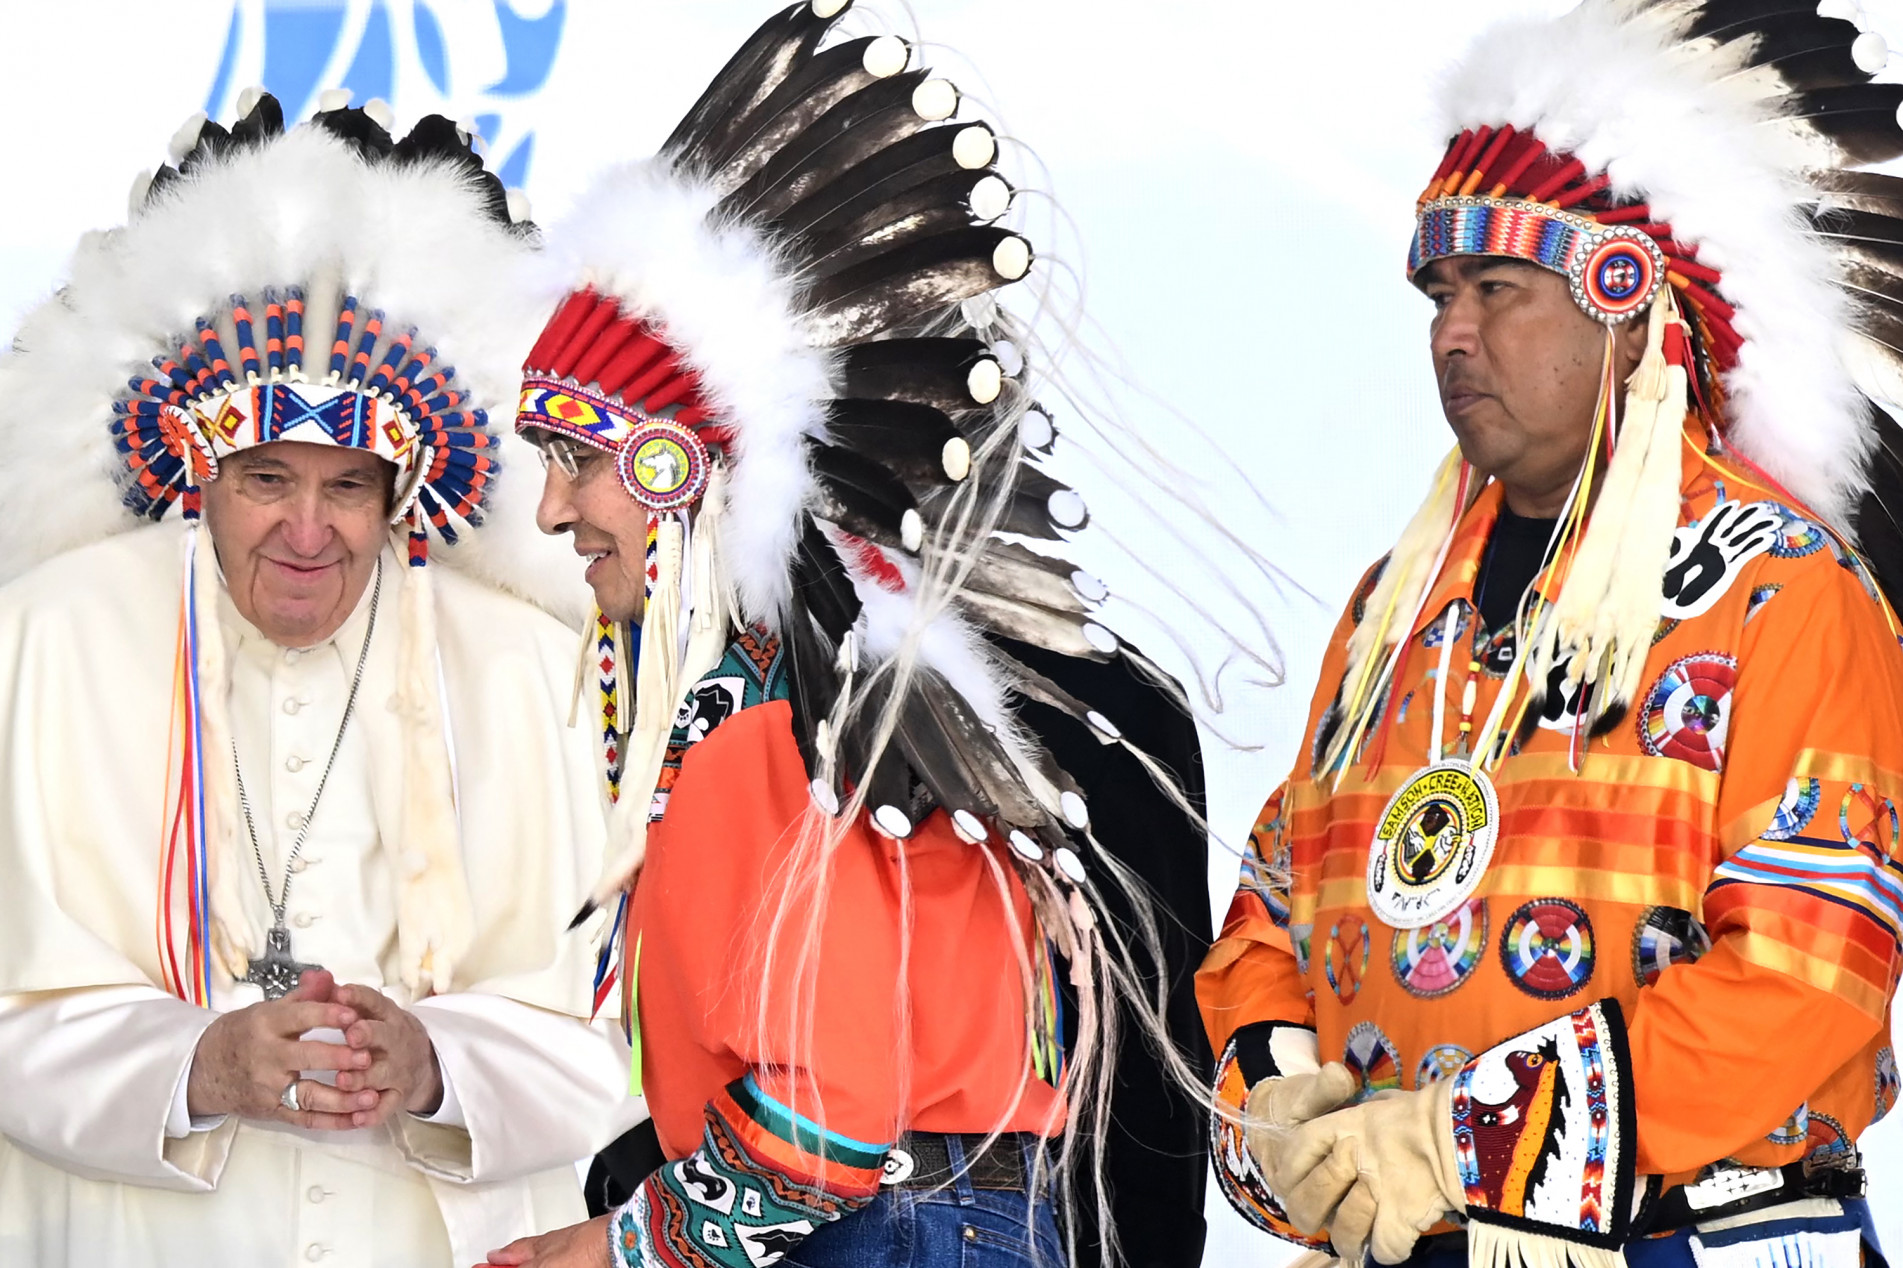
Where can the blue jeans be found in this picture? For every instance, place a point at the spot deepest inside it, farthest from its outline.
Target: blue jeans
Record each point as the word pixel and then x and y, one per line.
pixel 953 1227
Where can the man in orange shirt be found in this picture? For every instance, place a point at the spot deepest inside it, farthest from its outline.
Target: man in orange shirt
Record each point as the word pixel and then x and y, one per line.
pixel 777 420
pixel 1592 866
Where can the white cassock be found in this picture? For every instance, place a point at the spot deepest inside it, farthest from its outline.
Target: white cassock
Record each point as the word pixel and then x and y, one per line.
pixel 100 1162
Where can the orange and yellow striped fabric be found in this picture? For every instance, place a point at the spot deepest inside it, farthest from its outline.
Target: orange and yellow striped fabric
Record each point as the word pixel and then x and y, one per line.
pixel 1724 861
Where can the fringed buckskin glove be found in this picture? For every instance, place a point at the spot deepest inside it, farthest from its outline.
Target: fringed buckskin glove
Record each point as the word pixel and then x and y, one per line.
pixel 1276 1106
pixel 1376 1175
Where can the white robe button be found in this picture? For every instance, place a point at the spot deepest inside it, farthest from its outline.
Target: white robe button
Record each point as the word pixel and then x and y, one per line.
pixel 317 1193
pixel 291 656
pixel 303 919
pixel 294 764
pixel 292 705
pixel 315 1252
pixel 299 864
pixel 295 819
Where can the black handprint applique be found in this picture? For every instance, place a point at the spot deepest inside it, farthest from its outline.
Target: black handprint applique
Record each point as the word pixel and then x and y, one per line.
pixel 1708 556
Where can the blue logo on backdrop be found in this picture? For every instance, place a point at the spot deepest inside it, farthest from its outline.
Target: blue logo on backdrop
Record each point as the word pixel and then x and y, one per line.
pixel 452 57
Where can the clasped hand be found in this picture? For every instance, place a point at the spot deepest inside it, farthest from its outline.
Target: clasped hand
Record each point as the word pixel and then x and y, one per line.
pixel 1376 1175
pixel 246 1059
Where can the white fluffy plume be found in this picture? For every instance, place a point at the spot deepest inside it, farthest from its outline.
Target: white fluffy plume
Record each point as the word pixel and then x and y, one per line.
pixel 1677 125
pixel 413 241
pixel 721 298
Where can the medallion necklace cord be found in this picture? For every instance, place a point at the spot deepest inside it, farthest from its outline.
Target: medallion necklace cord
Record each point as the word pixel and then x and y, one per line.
pixel 282 901
pixel 1534 610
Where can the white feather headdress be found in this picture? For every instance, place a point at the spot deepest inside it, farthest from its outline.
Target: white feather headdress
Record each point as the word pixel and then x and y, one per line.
pixel 413 229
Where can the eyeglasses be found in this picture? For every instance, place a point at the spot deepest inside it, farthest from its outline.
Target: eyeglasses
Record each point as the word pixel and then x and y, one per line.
pixel 567 456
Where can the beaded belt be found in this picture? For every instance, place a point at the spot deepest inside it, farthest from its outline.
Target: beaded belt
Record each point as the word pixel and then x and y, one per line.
pixel 1727 1188
pixel 922 1160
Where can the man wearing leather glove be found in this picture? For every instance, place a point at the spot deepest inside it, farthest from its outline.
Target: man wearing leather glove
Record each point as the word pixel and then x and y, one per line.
pixel 1599 805
pixel 1384 1168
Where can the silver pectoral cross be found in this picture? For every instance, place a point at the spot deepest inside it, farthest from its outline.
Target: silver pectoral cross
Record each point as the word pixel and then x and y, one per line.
pixel 275 970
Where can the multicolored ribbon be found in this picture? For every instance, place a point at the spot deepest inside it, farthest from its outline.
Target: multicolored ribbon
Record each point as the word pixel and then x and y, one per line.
pixel 183 822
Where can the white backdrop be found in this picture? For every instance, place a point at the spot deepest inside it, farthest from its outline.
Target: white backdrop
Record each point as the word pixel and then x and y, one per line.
pixel 1241 175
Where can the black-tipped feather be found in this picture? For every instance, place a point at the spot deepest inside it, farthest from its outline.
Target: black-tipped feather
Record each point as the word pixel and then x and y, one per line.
pixel 809 95
pixel 1037 491
pixel 812 682
pixel 903 291
pixel 907 440
pixel 1849 225
pixel 864 216
pixel 1859 118
pixel 1879 519
pixel 868 121
pixel 938 757
pixel 888 778
pixel 825 605
pixel 435 140
pixel 1821 68
pixel 212 141
pixel 1870 192
pixel 822 583
pixel 1883 337
pixel 1879 308
pixel 858 515
pixel 934 372
pixel 1029 683
pixel 355 125
pixel 959 759
pixel 161 178
pixel 1016 572
pixel 1807 51
pixel 1870 256
pixel 1874 284
pixel 923 156
pixel 1027 510
pixel 936 207
pixel 863 487
pixel 1060 632
pixel 1728 19
pixel 782 42
pixel 265 121
pixel 1003 785
pixel 892 782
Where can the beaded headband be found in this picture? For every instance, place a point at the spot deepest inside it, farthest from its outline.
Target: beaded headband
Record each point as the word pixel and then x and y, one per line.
pixel 603 378
pixel 381 395
pixel 1614 272
pixel 1501 191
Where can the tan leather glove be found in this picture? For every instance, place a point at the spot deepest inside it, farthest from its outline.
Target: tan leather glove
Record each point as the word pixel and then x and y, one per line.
pixel 1279 1105
pixel 1377 1175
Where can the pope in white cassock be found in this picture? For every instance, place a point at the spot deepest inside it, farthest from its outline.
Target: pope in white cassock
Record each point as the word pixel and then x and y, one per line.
pixel 290 824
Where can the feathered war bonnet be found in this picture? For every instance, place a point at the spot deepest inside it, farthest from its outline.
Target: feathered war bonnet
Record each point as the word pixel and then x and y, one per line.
pixel 327 284
pixel 785 323
pixel 1688 163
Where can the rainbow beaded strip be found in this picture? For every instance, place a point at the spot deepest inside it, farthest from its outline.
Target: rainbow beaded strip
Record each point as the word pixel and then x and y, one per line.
pixel 1614 271
pixel 662 465
pixel 577 414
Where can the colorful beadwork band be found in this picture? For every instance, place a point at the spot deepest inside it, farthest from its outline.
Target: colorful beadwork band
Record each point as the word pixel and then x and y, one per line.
pixel 1614 271
pixel 317 412
pixel 379 392
pixel 575 413
pixel 662 465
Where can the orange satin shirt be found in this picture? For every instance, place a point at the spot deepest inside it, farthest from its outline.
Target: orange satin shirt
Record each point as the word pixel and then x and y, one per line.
pixel 1724 862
